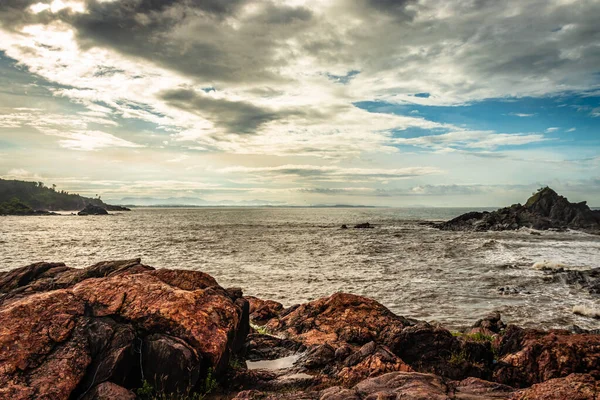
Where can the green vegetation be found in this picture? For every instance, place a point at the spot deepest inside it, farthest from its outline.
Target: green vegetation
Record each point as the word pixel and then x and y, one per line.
pixel 36 196
pixel 15 207
pixel 261 330
pixel 536 196
pixel 457 358
pixel 235 363
pixel 149 392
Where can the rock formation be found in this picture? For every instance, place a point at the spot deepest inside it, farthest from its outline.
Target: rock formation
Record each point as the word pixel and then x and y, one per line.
pixel 121 328
pixel 64 331
pixel 91 209
pixel 544 210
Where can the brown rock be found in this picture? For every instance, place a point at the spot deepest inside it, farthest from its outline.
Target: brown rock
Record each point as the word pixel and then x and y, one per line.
pixel 339 319
pixel 184 279
pixel 572 387
pixel 170 363
pixel 263 310
pixel 43 351
pixel 529 356
pixel 64 342
pixel 267 347
pixel 477 389
pixel 371 360
pixel 403 385
pixel 109 391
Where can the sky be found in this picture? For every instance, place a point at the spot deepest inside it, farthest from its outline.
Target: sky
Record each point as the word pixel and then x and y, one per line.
pixel 466 103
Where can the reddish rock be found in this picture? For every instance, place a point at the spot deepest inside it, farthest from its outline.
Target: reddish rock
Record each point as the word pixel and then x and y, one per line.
pixel 64 342
pixel 572 387
pixel 170 363
pixel 529 356
pixel 337 320
pixel 267 347
pixel 204 319
pixel 371 360
pixel 403 385
pixel 43 352
pixel 109 391
pixel 263 310
pixel 489 326
pixel 478 389
pixel 185 280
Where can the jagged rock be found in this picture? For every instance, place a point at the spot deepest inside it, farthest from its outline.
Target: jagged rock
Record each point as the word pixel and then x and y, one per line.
pixel 371 360
pixel 588 280
pixel 170 363
pixel 529 356
pixel 263 310
pixel 267 347
pixel 318 356
pixel 572 387
pixel 490 325
pixel 544 210
pixel 91 209
pixel 339 319
pixel 64 331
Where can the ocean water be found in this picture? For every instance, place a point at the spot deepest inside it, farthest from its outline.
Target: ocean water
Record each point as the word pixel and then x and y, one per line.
pixel 294 255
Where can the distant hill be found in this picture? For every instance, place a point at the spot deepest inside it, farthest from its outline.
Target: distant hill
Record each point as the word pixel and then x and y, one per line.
pixel 39 197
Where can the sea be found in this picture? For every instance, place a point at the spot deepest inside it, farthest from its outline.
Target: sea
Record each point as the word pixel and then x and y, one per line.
pixel 295 255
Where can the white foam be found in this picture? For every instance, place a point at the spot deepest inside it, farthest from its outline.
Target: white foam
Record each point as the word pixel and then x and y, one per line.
pixel 548 265
pixel 587 311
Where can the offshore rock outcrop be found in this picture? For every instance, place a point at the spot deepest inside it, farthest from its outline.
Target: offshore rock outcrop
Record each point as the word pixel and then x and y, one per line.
pixel 100 332
pixel 91 209
pixel 544 210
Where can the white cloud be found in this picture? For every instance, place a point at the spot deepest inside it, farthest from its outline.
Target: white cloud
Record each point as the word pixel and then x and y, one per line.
pixel 91 140
pixel 333 173
pixel 553 129
pixel 522 115
pixel 471 140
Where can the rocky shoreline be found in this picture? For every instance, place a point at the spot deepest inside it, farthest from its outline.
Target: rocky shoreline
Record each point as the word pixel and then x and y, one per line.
pixel 124 330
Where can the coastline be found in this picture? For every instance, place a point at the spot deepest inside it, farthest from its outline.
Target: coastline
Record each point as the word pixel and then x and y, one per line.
pixel 72 333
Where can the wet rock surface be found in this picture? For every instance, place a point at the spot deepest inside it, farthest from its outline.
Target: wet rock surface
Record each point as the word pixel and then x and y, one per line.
pixel 544 210
pixel 99 332
pixel 588 280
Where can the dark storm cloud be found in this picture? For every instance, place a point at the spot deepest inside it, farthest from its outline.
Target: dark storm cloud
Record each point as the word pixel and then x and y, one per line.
pixel 236 116
pixel 197 38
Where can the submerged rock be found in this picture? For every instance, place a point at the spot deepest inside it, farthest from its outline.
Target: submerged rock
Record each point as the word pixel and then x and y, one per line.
pixel 364 225
pixel 544 210
pixel 91 209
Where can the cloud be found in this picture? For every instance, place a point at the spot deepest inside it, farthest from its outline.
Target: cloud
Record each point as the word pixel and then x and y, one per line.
pixel 572 130
pixel 91 140
pixel 522 115
pixel 465 139
pixel 551 130
pixel 333 173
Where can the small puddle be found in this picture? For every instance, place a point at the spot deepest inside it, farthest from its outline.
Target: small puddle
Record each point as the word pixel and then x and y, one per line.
pixel 279 363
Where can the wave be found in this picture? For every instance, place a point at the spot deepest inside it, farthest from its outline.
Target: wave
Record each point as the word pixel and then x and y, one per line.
pixel 587 311
pixel 548 265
